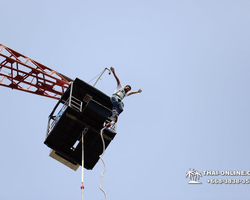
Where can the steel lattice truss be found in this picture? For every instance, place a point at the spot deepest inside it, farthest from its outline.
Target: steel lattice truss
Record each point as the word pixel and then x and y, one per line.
pixel 22 73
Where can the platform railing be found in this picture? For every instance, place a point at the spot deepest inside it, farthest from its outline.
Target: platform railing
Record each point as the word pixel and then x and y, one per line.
pixel 75 103
pixel 72 102
pixel 55 119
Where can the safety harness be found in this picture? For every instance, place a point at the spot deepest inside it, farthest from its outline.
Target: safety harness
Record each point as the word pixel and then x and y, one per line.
pixel 119 97
pixel 122 91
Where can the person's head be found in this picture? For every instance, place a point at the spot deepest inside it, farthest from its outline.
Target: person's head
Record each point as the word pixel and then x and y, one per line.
pixel 127 88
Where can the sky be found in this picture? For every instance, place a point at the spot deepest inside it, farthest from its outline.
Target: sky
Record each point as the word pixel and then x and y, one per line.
pixel 191 60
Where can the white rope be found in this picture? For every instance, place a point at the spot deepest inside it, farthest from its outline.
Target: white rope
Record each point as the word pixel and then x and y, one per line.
pixel 103 164
pixel 83 133
pixel 82 187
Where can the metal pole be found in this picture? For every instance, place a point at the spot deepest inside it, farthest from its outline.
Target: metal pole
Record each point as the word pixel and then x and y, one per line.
pixel 71 91
pixel 101 75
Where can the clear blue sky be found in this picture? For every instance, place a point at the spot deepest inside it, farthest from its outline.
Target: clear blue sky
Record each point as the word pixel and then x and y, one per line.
pixel 191 59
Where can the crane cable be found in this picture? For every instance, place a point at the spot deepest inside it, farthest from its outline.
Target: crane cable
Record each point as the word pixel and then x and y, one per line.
pixel 103 164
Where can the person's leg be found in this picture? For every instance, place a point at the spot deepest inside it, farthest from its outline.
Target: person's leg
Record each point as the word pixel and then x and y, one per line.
pixel 115 103
pixel 120 107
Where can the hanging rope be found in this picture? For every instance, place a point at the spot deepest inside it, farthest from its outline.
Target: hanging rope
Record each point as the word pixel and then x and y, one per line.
pixel 103 164
pixel 83 133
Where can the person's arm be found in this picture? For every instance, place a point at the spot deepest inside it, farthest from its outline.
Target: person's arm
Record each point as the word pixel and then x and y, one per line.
pixel 116 78
pixel 135 92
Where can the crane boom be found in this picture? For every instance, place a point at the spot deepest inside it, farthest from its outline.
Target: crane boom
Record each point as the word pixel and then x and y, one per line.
pixel 22 73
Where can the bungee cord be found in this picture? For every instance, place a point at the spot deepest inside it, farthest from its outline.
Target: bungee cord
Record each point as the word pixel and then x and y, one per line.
pixel 103 164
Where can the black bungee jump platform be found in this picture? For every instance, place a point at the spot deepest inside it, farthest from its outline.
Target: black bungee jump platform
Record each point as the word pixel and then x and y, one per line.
pixel 82 108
